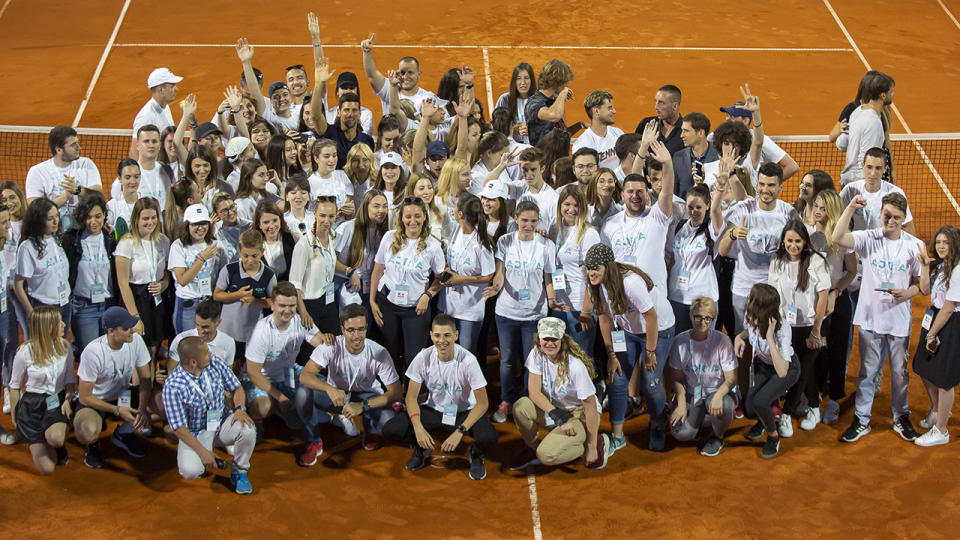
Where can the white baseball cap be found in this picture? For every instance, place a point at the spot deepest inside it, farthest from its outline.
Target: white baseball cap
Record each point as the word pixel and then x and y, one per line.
pixel 235 147
pixel 391 157
pixel 160 76
pixel 196 213
pixel 495 189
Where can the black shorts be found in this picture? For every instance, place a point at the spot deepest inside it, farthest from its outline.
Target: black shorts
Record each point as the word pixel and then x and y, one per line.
pixel 34 418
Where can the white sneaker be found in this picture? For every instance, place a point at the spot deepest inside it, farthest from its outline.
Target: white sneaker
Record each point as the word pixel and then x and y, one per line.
pixel 6 400
pixel 832 414
pixel 928 421
pixel 811 420
pixel 786 426
pixel 933 437
pixel 348 426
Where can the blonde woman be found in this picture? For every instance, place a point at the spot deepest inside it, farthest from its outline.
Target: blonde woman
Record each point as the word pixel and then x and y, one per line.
pixel 43 372
pixel 563 399
pixel 454 181
pixel 359 170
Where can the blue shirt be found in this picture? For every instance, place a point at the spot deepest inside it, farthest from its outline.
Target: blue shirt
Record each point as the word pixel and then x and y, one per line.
pixel 186 399
pixel 344 144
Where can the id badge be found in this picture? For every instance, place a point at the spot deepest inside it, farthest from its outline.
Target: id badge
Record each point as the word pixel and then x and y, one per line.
pixel 792 314
pixel 683 280
pixel 886 285
pixel 619 341
pixel 449 415
pixel 630 259
pixel 697 394
pixel 559 279
pixel 157 299
pixel 52 402
pixel 203 280
pixel 548 420
pixel 290 377
pixel 401 293
pixel 328 291
pixel 62 294
pixel 346 399
pixel 213 420
pixel 98 294
pixel 124 399
pixel 524 295
pixel 927 319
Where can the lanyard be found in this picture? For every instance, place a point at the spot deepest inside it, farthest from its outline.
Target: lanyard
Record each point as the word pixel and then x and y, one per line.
pixel 152 257
pixel 329 257
pixel 528 260
pixel 99 259
pixel 205 390
pixel 356 372
pixel 889 262
pixel 685 246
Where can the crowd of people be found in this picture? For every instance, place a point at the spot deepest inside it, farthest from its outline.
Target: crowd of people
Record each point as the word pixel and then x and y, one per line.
pixel 301 256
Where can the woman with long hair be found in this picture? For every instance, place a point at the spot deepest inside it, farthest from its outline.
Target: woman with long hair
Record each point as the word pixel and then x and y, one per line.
pixel 253 188
pixel 202 168
pixel 180 195
pixel 563 399
pixel 775 366
pixel 282 156
pixel 43 383
pixel 141 264
pixel 260 133
pixel 327 180
pixel 693 274
pixel 168 152
pixel 813 182
pixel 604 197
pixel 624 299
pixel 800 275
pixel 494 198
pixel 313 267
pixel 278 242
pixel 356 243
pixel 42 267
pixel 359 170
pixel 937 350
pixel 298 217
pixel 11 196
pixel 391 180
pixel 421 187
pixel 193 260
pixel 455 180
pixel 120 208
pixel 575 236
pixel 522 82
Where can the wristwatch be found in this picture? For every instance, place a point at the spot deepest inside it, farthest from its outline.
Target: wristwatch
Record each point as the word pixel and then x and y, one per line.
pixel 461 429
pixel 366 406
pixel 240 408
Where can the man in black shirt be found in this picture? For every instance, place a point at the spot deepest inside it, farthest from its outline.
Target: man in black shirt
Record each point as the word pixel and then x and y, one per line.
pixel 668 117
pixel 545 108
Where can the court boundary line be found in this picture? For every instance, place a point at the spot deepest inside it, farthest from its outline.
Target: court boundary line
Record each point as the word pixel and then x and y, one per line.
pixel 486 74
pixel 534 508
pixel 944 6
pixel 481 46
pixel 103 61
pixel 896 110
pixel 4 8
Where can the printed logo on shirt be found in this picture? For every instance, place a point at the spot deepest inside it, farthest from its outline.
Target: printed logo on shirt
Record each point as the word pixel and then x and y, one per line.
pixel 445 387
pixel 523 266
pixel 881 264
pixel 406 262
pixel 629 242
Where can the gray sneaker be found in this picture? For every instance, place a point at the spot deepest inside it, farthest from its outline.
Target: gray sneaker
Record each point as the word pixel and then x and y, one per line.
pixel 713 446
pixel 347 425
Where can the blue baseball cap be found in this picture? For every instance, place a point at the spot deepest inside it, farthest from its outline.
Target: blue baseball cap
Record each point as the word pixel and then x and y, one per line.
pixel 737 110
pixel 438 148
pixel 118 317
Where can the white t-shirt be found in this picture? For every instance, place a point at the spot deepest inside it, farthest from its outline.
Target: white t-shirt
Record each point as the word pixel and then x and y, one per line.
pixel 118 208
pixel 692 274
pixel 761 349
pixel 569 392
pixel 184 257
pixel 337 184
pixel 417 98
pixel 603 145
pixel 639 301
pixel 111 370
pixel 524 297
pixel 834 259
pixel 152 184
pixel 570 257
pixel 763 239
pixel 598 220
pixel 93 270
pixel 46 379
pixel 546 199
pixel 44 178
pixel 148 260
pixel 447 383
pixel 153 113
pixel 467 257
pixel 299 227
pixel 952 292
pixel 870 217
pixel 276 350
pixel 479 174
pixel 702 362
pixel 865 132
pixel 46 278
pixel 341 243
pixel 288 123
pixel 222 346
pixel 356 372
pixel 518 116
pixel 408 268
pixel 10 248
pixel 886 263
pixel 783 276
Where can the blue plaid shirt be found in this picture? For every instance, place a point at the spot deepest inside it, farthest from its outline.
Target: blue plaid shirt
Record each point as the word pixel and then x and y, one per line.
pixel 186 399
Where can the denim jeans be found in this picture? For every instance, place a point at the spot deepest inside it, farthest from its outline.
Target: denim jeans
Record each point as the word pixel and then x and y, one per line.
pixel 585 338
pixel 16 321
pixel 873 347
pixel 470 337
pixel 86 321
pixel 516 340
pixel 315 408
pixel 183 315
pixel 650 387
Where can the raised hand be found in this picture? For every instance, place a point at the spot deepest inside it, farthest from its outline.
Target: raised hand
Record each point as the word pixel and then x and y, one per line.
pixel 189 105
pixel 858 202
pixel 234 97
pixel 750 101
pixel 466 74
pixel 741 230
pixel 322 72
pixel 464 106
pixel 649 134
pixel 367 44
pixel 313 26
pixel 394 77
pixel 244 50
pixel 659 152
pixel 427 108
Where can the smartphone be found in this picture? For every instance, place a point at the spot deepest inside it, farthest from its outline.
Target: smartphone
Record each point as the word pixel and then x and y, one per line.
pixel 933 345
pixel 884 290
pixel 698 170
pixel 445 276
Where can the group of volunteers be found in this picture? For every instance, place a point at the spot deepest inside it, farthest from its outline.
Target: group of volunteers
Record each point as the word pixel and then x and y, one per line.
pixel 302 256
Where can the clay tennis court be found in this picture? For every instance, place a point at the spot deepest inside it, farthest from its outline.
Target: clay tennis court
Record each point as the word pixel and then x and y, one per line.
pixel 85 63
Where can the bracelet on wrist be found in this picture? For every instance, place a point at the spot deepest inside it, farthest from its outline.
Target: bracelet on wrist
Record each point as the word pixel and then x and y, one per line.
pixel 654 351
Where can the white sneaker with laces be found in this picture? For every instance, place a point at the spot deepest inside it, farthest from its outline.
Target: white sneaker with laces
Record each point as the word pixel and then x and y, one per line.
pixel 933 437
pixel 928 421
pixel 811 420
pixel 6 400
pixel 786 426
pixel 348 426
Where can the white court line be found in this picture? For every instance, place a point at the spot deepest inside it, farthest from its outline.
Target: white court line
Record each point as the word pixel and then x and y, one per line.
pixel 486 73
pixel 534 512
pixel 893 107
pixel 103 60
pixel 952 18
pixel 7 3
pixel 565 47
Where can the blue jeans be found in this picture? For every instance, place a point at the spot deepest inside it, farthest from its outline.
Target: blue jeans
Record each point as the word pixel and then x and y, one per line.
pixel 183 316
pixel 315 408
pixel 651 388
pixel 86 321
pixel 470 337
pixel 585 338
pixel 516 339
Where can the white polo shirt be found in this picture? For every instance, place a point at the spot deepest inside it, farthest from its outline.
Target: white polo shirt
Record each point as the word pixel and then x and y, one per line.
pixel 153 113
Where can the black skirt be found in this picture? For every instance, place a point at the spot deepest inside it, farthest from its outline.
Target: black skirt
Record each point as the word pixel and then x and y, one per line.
pixel 152 315
pixel 33 417
pixel 943 368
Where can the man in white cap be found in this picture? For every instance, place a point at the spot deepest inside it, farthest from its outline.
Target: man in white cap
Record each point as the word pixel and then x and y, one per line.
pixel 163 87
pixel 238 150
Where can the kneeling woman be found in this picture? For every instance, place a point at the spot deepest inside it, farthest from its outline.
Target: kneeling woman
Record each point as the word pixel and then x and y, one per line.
pixel 775 368
pixel 43 369
pixel 563 399
pixel 704 372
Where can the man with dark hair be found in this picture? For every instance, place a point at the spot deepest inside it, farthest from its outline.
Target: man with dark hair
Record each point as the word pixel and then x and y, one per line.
pixel 63 177
pixel 873 188
pixel 533 188
pixel 163 89
pixel 358 380
pixel 601 136
pixel 298 84
pixel 586 161
pixel 627 147
pixel 688 163
pixel 155 176
pixel 278 111
pixel 771 151
pixel 866 125
pixel 409 71
pixel 347 84
pixel 667 118
pixel 222 346
pixel 344 130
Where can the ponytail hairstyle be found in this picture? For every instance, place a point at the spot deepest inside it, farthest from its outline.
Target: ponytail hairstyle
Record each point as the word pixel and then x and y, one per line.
pixel 581 226
pixel 400 233
pixel 763 304
pixel 179 195
pixel 472 209
pixel 783 259
pixel 613 277
pixel 702 192
pixel 365 231
pixel 568 348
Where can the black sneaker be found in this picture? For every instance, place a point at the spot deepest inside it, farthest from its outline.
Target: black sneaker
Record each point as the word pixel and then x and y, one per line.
pixel 904 428
pixel 524 459
pixel 857 430
pixel 478 469
pixel 418 460
pixel 771 448
pixel 129 442
pixel 62 457
pixel 713 446
pixel 93 459
pixel 756 432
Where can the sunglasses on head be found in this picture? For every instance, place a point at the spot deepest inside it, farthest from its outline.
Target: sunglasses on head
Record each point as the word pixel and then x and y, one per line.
pixel 295 66
pixel 327 199
pixel 413 200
